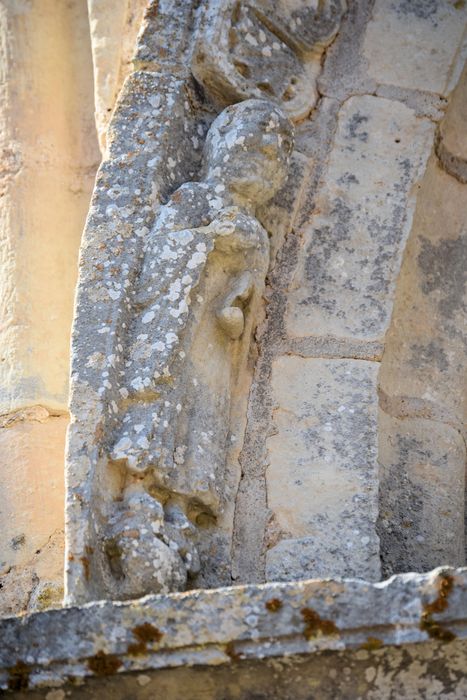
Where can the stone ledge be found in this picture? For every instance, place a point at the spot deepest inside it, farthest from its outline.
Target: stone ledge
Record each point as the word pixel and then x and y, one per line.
pixel 212 627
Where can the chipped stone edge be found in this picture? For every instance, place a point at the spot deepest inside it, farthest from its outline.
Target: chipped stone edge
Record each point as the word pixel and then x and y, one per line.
pixel 212 627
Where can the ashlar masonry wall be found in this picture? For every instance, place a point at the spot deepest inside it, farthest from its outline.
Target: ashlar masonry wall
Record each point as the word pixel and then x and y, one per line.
pixel 354 452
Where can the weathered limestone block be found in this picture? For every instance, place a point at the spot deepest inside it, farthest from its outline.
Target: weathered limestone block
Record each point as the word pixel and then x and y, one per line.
pixel 322 478
pixel 345 279
pixel 417 45
pixel 330 639
pixel 115 385
pixel 265 48
pixel 422 492
pixel 149 413
pixel 423 368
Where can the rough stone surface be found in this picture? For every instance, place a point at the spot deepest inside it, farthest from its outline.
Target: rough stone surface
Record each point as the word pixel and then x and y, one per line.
pixel 423 368
pixel 346 70
pixel 429 670
pixel 322 478
pixel 166 36
pixel 422 492
pixel 36 582
pixel 136 400
pixel 363 212
pixel 415 44
pixel 230 628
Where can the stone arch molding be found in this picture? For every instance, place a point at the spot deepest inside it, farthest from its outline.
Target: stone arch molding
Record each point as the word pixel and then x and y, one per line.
pixel 172 269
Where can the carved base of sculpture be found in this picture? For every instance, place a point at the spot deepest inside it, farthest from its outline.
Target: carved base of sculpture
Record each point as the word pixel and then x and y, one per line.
pixel 148 548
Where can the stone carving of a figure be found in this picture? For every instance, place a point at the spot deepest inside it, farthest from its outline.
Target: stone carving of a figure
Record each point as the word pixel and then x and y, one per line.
pixel 193 313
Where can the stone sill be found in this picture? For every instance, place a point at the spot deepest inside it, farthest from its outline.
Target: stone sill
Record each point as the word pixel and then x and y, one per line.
pixel 213 627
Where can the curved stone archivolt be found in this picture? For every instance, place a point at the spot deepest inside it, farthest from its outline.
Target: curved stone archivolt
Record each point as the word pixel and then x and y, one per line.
pixel 423 411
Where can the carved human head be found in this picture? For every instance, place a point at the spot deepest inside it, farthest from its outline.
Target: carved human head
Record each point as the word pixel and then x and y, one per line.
pixel 248 148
